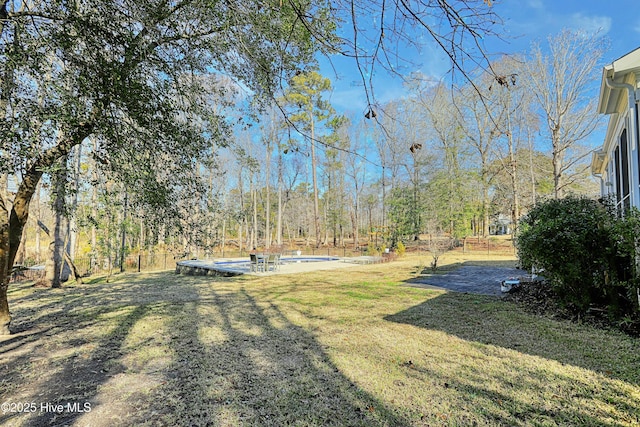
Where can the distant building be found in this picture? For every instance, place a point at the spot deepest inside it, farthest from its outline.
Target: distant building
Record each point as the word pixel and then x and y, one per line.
pixel 617 162
pixel 500 225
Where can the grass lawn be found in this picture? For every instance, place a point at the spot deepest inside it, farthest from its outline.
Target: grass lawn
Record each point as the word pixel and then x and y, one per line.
pixel 352 346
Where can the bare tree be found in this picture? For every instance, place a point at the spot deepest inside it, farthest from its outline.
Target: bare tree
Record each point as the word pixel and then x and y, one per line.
pixel 479 118
pixel 404 157
pixel 442 114
pixel 560 82
pixel 355 170
pixel 513 105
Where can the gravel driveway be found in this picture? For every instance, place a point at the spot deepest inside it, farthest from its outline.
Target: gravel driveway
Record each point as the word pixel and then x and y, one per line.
pixel 470 278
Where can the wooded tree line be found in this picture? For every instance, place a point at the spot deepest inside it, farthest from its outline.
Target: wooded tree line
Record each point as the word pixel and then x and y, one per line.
pixel 138 125
pixel 443 160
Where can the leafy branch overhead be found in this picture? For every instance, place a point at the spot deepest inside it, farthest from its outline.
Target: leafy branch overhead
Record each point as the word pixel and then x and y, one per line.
pixel 152 85
pixel 131 78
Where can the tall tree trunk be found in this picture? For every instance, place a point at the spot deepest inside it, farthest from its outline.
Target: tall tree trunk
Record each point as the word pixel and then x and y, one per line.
pixel 254 193
pixel 248 234
pixel 416 212
pixel 280 204
pixel 94 214
pixel 143 235
pixel 384 197
pixel 515 214
pixel 485 193
pixel 354 225
pixel 557 169
pixel 123 230
pixel 485 210
pixel 279 219
pixel 5 269
pixel 532 172
pixel 513 172
pixel 267 203
pixel 243 219
pixel 289 235
pixel 209 241
pixel 316 210
pixel 38 250
pixel 73 223
pixel 224 235
pixel 54 266
pixel 326 229
pixel 49 265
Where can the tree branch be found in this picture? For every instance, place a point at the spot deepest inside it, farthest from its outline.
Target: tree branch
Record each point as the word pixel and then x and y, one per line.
pixel 20 209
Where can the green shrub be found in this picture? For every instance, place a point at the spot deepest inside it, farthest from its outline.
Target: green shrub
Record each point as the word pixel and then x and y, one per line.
pixel 572 240
pixel 626 234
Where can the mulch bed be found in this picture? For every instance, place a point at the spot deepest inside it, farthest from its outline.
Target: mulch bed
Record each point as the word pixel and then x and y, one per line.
pixel 538 297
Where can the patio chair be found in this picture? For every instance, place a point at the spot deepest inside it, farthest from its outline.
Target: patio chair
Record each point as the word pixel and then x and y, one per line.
pixel 256 262
pixel 273 262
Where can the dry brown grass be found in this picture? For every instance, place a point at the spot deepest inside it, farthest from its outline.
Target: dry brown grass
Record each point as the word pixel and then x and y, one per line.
pixel 344 347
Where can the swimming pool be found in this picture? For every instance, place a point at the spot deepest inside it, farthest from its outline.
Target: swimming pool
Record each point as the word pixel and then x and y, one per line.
pixel 283 260
pixel 233 267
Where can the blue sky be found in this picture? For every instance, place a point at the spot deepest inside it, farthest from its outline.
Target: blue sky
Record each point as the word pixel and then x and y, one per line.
pixel 525 21
pixel 531 20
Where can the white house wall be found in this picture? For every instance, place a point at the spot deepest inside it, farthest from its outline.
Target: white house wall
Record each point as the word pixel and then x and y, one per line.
pixel 609 163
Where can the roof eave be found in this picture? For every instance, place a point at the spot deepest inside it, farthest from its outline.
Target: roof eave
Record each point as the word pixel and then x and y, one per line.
pixel 605 91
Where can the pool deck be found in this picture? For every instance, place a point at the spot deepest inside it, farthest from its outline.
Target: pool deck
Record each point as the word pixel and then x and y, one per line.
pixel 288 265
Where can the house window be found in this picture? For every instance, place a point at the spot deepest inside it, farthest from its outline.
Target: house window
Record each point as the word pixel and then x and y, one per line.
pixel 618 175
pixel 624 158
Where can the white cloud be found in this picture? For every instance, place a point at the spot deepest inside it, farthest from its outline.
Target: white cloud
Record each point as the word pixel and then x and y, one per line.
pixel 536 4
pixel 537 19
pixel 591 24
pixel 636 27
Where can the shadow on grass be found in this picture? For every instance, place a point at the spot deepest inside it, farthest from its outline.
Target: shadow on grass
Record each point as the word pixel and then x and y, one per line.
pixel 482 403
pixel 47 311
pixel 263 370
pixel 490 321
pixel 257 369
pixel 62 397
pixel 510 390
